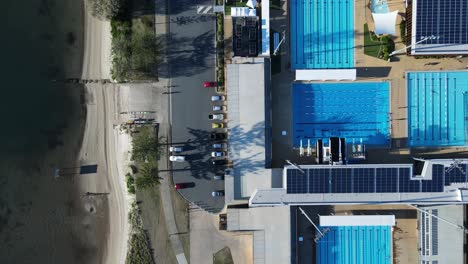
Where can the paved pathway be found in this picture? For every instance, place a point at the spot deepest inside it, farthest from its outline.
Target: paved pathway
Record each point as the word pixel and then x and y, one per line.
pixel 166 200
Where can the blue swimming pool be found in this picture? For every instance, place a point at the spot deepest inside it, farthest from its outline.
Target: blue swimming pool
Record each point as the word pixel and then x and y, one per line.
pixel 355 245
pixel 322 34
pixel 356 111
pixel 437 108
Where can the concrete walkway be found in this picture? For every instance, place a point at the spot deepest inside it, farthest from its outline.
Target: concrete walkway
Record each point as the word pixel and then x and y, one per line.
pixel 162 25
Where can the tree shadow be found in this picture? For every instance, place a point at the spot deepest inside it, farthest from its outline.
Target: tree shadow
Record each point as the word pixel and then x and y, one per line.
pixel 186 62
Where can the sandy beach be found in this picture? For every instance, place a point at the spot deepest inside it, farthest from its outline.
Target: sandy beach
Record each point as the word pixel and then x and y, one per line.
pixel 102 142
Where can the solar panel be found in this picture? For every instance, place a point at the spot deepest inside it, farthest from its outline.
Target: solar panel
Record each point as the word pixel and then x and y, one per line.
pixel 364 180
pixel 341 181
pixel 296 182
pixel 370 180
pixel 435 233
pixel 456 175
pixel 319 180
pixel 386 180
pixel 446 22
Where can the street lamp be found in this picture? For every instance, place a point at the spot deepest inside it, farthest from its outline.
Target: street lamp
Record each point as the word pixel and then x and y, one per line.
pixel 409 46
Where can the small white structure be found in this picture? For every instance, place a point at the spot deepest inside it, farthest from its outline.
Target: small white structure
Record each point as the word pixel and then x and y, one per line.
pixel 326 74
pixel 357 220
pixel 243 12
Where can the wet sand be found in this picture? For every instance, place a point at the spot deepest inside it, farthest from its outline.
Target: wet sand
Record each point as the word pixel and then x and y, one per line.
pixel 43 219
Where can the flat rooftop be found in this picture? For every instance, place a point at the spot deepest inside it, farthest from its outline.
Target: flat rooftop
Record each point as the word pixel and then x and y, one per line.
pixel 441 181
pixel 437 108
pixel 247 124
pixel 355 111
pixel 322 34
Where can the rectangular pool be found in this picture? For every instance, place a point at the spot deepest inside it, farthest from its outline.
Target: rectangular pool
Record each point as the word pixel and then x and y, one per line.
pixel 322 34
pixel 437 108
pixel 358 110
pixel 355 245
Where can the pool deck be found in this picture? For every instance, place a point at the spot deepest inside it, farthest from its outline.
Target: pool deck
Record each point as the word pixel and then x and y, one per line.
pixel 375 70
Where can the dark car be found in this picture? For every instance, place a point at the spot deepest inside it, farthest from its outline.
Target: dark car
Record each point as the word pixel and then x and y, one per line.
pixel 184 185
pixel 220 162
pixel 218 136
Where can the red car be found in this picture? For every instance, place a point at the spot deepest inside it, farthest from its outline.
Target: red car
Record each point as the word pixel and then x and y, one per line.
pixel 210 84
pixel 183 185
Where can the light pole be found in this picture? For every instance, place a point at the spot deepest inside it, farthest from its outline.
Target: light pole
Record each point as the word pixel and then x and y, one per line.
pixel 409 46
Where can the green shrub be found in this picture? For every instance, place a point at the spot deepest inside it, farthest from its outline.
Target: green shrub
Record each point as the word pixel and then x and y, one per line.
pixel 130 183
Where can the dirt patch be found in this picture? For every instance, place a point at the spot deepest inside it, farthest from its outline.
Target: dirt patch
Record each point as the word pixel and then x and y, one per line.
pixel 223 257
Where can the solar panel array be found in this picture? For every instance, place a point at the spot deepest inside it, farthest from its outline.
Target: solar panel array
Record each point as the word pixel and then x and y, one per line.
pixel 446 21
pixel 370 180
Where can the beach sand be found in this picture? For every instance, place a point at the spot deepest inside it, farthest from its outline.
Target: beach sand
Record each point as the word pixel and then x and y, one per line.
pixel 102 142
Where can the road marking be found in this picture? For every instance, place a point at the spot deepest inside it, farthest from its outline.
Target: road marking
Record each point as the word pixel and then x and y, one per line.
pixel 205 10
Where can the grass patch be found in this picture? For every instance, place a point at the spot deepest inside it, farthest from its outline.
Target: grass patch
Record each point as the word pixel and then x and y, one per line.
pixel 182 220
pixel 145 153
pixel 223 257
pixel 139 249
pixel 220 51
pixel 379 47
pixel 130 183
pixel 135 49
pixel 403 32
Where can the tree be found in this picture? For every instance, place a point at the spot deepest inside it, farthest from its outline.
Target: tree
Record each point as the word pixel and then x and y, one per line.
pixel 145 146
pixel 148 176
pixel 105 9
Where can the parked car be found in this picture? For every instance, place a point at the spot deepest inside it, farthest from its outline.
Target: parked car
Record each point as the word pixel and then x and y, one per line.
pixel 217 193
pixel 219 145
pixel 218 177
pixel 176 149
pixel 177 158
pixel 220 162
pixel 210 84
pixel 216 154
pixel 215 98
pixel 219 108
pixel 217 125
pixel 184 185
pixel 218 136
pixel 216 117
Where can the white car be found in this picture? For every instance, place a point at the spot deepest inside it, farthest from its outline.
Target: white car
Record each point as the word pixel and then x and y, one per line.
pixel 177 158
pixel 215 98
pixel 176 149
pixel 216 154
pixel 216 117
pixel 219 145
pixel 219 108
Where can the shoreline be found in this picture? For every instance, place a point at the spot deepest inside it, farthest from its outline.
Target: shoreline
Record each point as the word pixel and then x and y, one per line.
pixel 102 142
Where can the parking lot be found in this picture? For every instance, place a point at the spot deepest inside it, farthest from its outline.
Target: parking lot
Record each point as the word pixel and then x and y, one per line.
pixel 192 62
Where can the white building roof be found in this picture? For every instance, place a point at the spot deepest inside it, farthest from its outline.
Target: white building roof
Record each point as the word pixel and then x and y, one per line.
pixel 246 130
pixel 271 230
pixel 385 23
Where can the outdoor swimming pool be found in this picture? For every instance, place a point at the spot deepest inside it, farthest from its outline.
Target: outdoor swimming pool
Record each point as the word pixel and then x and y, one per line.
pixel 322 34
pixel 355 245
pixel 355 111
pixel 437 108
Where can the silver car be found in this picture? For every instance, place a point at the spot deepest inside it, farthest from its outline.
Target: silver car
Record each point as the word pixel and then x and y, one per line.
pixel 218 177
pixel 217 193
pixel 216 117
pixel 217 154
pixel 215 98
pixel 219 145
pixel 219 108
